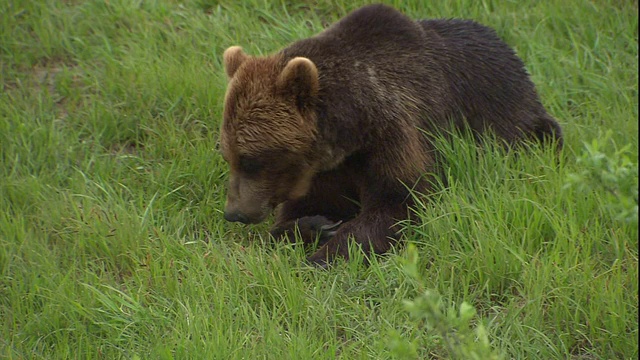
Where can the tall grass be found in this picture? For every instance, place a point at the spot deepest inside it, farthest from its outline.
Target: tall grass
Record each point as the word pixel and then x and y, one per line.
pixel 112 243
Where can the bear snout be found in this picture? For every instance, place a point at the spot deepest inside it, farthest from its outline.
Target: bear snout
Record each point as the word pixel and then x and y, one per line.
pixel 246 210
pixel 236 216
pixel 246 202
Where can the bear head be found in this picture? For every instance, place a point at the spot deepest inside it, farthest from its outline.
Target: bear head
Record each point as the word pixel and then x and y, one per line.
pixel 268 133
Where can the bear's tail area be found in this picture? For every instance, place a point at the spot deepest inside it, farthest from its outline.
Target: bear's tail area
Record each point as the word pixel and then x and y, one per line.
pixel 548 131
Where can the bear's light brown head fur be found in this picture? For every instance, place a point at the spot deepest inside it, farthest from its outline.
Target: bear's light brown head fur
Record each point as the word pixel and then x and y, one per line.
pixel 268 132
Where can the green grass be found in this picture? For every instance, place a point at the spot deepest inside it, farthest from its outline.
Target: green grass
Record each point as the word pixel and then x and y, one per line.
pixel 112 243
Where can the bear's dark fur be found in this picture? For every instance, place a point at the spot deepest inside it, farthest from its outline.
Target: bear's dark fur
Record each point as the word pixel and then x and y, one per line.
pixel 331 129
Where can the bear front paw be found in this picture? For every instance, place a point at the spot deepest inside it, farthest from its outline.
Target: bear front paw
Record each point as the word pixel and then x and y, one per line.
pixel 311 229
pixel 319 260
pixel 327 254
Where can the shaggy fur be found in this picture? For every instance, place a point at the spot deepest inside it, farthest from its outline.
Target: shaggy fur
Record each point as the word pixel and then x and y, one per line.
pixel 331 129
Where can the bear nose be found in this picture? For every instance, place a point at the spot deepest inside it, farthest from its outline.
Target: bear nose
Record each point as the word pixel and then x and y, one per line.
pixel 236 216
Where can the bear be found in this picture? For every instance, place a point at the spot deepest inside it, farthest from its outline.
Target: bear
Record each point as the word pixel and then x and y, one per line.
pixel 332 131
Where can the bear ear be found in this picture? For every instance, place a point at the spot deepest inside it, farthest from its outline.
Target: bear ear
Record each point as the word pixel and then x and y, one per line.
pixel 299 80
pixel 233 57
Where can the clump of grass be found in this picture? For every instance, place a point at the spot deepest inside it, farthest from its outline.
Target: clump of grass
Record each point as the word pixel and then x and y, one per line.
pixel 449 325
pixel 614 174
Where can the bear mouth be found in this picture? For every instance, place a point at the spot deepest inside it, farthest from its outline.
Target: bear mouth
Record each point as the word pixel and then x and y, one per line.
pixel 244 218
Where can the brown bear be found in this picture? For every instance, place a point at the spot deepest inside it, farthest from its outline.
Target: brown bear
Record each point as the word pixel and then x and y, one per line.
pixel 331 130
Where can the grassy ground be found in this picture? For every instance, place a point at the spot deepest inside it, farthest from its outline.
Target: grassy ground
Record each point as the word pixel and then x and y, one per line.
pixel 112 243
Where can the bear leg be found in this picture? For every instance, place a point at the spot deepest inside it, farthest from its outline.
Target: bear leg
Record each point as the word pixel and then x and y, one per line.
pixel 374 231
pixel 330 201
pixel 310 229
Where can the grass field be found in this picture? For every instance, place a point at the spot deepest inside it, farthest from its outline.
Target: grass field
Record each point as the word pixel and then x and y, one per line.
pixel 112 242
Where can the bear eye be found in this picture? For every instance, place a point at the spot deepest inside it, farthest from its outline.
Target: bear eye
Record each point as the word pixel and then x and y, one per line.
pixel 249 165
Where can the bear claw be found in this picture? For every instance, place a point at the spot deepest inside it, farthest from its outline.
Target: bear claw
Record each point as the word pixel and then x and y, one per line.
pixel 311 229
